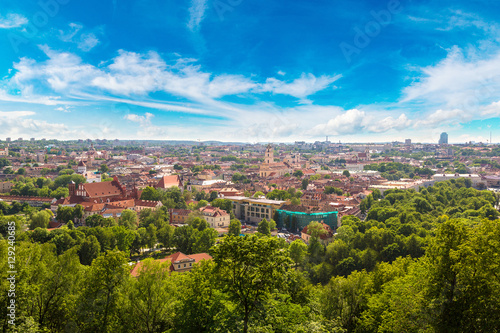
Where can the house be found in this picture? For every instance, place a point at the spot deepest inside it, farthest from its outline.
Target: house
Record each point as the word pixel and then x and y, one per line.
pixel 5 187
pixel 178 216
pixel 325 238
pixel 215 216
pixel 179 262
pixel 167 182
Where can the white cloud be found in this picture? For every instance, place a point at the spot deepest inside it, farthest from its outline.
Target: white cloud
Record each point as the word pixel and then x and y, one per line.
pixel 196 14
pixel 351 121
pixel 131 78
pixel 492 110
pixel 146 128
pixel 441 117
pixel 356 121
pixel 15 114
pixel 12 21
pixel 143 120
pixel 85 41
pixel 389 123
pixel 68 35
pixel 27 127
pixel 302 87
pixel 458 82
pixel 132 73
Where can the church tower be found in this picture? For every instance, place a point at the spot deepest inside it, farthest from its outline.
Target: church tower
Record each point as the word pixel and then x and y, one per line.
pixel 269 157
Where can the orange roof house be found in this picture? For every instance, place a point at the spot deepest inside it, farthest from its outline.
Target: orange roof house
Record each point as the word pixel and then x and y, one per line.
pixel 179 262
pixel 169 181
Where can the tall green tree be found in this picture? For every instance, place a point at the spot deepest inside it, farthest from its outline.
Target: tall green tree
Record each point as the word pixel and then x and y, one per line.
pixel 149 300
pixel 250 269
pixel 128 219
pixel 184 239
pixel 234 227
pixel 264 227
pixel 205 240
pixel 99 302
pixel 89 250
pixel 40 220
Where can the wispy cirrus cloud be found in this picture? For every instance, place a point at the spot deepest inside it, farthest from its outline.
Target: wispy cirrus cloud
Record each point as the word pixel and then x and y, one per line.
pixel 84 39
pixel 196 14
pixel 458 81
pixel 302 87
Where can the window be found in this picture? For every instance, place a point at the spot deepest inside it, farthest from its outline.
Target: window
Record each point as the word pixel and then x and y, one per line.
pixel 184 265
pixel 178 266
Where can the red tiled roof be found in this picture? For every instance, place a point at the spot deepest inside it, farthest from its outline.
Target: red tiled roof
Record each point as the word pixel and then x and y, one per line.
pixel 213 211
pixel 173 258
pixel 168 181
pixel 179 211
pixel 102 189
pixel 53 225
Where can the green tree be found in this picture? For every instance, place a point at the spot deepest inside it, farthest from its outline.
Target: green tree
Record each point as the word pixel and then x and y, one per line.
pixel 344 299
pixel 251 269
pixel 45 284
pixel 184 239
pixel 128 219
pixel 149 300
pixel 264 227
pixel 63 242
pixel 205 240
pixel 64 213
pixel 99 302
pixel 234 227
pixel 204 306
pixel 272 225
pixel 40 220
pixel 298 251
pixel 89 250
pixel 166 236
pixel 258 194
pixel 151 236
pixel 315 229
pixel 346 173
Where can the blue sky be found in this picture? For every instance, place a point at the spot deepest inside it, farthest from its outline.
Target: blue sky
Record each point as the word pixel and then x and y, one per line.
pixel 250 71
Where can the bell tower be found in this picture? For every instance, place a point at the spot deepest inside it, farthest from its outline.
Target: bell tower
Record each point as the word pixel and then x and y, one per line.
pixel 269 157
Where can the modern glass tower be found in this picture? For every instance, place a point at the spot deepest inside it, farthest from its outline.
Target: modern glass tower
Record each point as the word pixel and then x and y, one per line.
pixel 443 139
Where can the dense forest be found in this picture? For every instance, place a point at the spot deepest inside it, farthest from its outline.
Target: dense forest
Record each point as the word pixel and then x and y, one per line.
pixel 426 261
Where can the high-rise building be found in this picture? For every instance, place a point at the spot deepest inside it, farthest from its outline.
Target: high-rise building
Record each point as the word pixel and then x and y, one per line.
pixel 8 139
pixel 443 139
pixel 407 142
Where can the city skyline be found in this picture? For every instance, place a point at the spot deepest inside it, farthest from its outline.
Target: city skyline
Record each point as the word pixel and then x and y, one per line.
pixel 240 71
